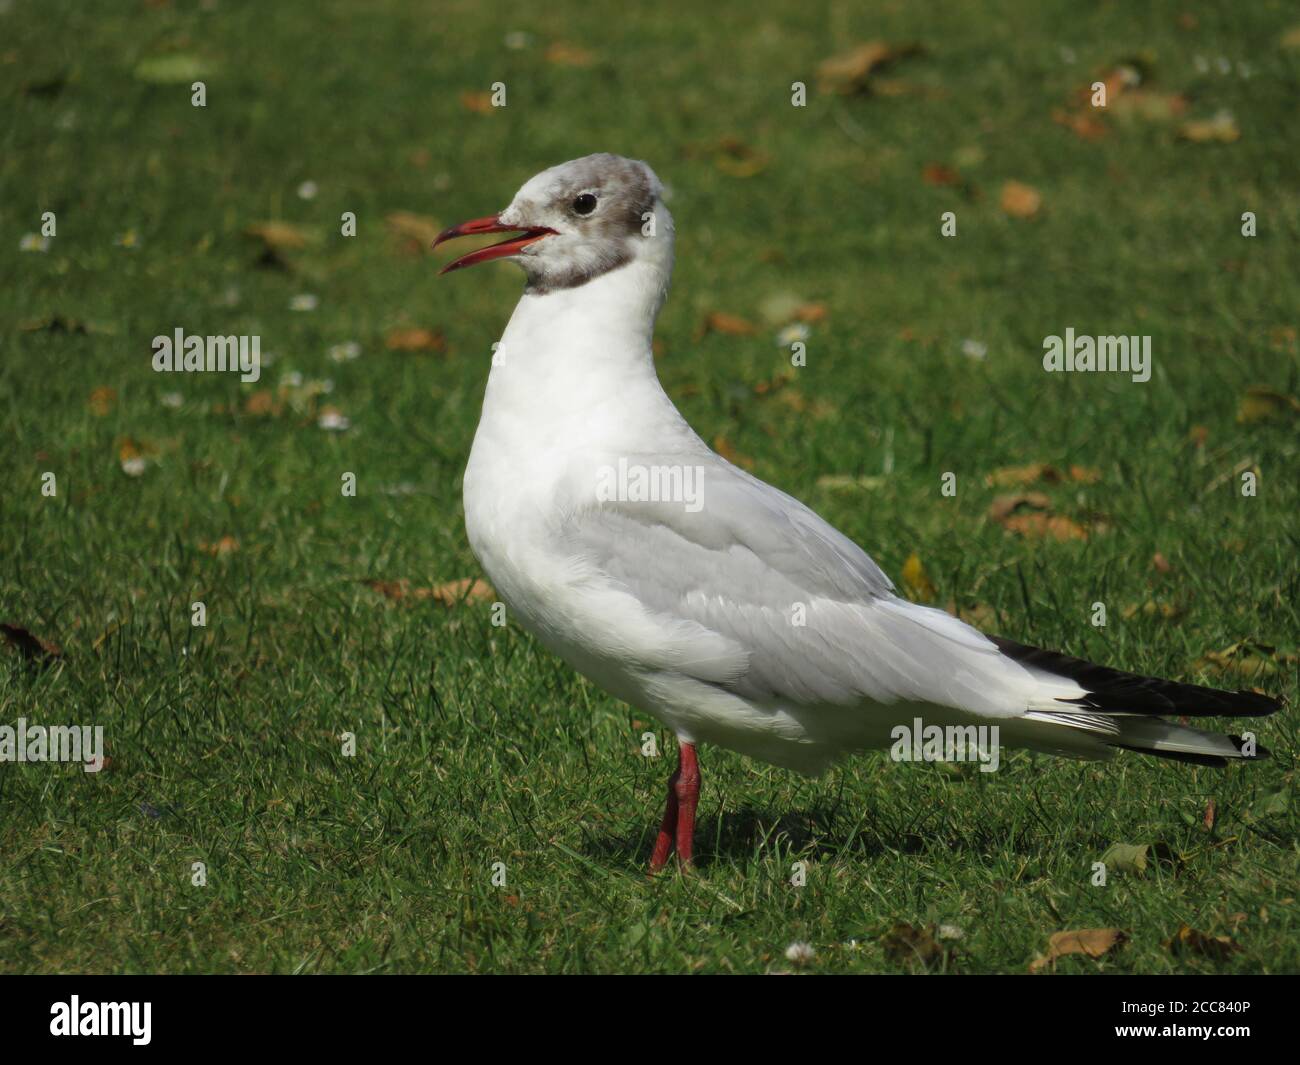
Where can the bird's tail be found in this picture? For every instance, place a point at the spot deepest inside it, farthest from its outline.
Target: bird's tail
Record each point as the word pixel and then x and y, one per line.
pixel 1125 710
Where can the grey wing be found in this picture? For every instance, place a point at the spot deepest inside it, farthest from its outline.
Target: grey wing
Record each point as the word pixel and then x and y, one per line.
pixel 812 618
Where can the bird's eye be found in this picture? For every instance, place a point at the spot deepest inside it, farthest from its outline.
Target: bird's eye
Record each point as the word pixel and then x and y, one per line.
pixel 584 204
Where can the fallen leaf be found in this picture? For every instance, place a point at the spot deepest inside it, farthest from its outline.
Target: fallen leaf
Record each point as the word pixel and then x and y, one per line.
pixel 905 944
pixel 568 55
pixel 468 590
pixel 415 340
pixel 1043 525
pixel 1004 506
pixel 1208 819
pixel 478 102
pixel 980 615
pixel 32 648
pixel 1085 474
pixel 1093 942
pixel 102 400
pixel 1188 940
pixel 261 402
pixel 1018 476
pixel 721 322
pixel 1161 563
pixel 225 546
pixel 723 447
pixel 939 174
pixel 1221 129
pixel 1152 609
pixel 280 236
pixel 1126 857
pixel 415 232
pixel 916 582
pixel 851 71
pixel 1246 658
pixel 1019 200
pixel 737 159
pixel 1264 405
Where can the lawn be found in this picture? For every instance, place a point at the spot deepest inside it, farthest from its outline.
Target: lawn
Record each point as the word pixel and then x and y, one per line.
pixel 478 756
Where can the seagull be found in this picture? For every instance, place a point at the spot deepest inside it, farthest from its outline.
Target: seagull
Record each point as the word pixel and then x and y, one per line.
pixel 701 595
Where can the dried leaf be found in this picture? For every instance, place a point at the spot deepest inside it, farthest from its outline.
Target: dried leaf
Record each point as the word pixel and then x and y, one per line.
pixel 415 232
pixel 569 55
pixel 721 322
pixel 280 236
pixel 939 174
pixel 1244 659
pixel 478 102
pixel 261 402
pixel 415 340
pixel 1018 476
pixel 1093 942
pixel 850 71
pixel 1188 940
pixel 468 590
pixel 723 447
pixel 1019 200
pixel 916 582
pixel 225 546
pixel 1004 506
pixel 1264 405
pixel 102 401
pixel 737 159
pixel 1208 819
pixel 1221 129
pixel 1126 858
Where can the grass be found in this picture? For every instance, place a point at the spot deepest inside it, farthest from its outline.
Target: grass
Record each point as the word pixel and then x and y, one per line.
pixel 475 746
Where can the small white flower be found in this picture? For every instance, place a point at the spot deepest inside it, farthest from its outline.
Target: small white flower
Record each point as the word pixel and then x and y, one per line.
pixel 345 352
pixel 304 301
pixel 800 953
pixel 792 333
pixel 34 242
pixel 307 190
pixel 950 931
pixel 134 466
pixel 292 379
pixel 174 400
pixel 974 349
pixel 333 421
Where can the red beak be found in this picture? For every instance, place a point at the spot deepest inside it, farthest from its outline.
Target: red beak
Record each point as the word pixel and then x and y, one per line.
pixel 491 224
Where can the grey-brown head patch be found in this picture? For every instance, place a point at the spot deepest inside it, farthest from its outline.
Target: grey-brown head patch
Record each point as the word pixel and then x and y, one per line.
pixel 598 205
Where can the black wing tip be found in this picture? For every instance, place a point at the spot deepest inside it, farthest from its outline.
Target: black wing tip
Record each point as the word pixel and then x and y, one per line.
pixel 1116 691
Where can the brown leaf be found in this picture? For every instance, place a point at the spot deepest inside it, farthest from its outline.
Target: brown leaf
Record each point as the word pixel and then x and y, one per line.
pixel 1244 659
pixel 850 71
pixel 1221 129
pixel 905 944
pixel 723 447
pixel 1020 200
pixel 939 174
pixel 1056 526
pixel 1188 940
pixel 721 322
pixel 1208 820
pixel 1265 405
pixel 737 159
pixel 980 615
pixel 1004 506
pixel 1018 476
pixel 1161 563
pixel 415 233
pixel 32 648
pixel 1094 942
pixel 261 402
pixel 916 582
pixel 280 236
pixel 569 55
pixel 415 340
pixel 468 590
pixel 1085 474
pixel 478 102
pixel 225 546
pixel 102 401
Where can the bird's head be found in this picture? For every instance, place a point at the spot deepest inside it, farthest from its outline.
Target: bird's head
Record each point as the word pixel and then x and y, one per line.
pixel 575 222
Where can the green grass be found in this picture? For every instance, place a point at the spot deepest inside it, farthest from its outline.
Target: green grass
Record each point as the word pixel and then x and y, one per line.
pixel 475 745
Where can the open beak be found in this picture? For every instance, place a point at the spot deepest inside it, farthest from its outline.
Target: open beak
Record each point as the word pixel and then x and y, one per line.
pixel 491 224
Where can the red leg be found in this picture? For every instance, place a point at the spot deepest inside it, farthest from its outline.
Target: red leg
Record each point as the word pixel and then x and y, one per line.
pixel 678 826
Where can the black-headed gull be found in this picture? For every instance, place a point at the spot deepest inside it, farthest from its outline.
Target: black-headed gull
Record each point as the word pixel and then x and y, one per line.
pixel 700 594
